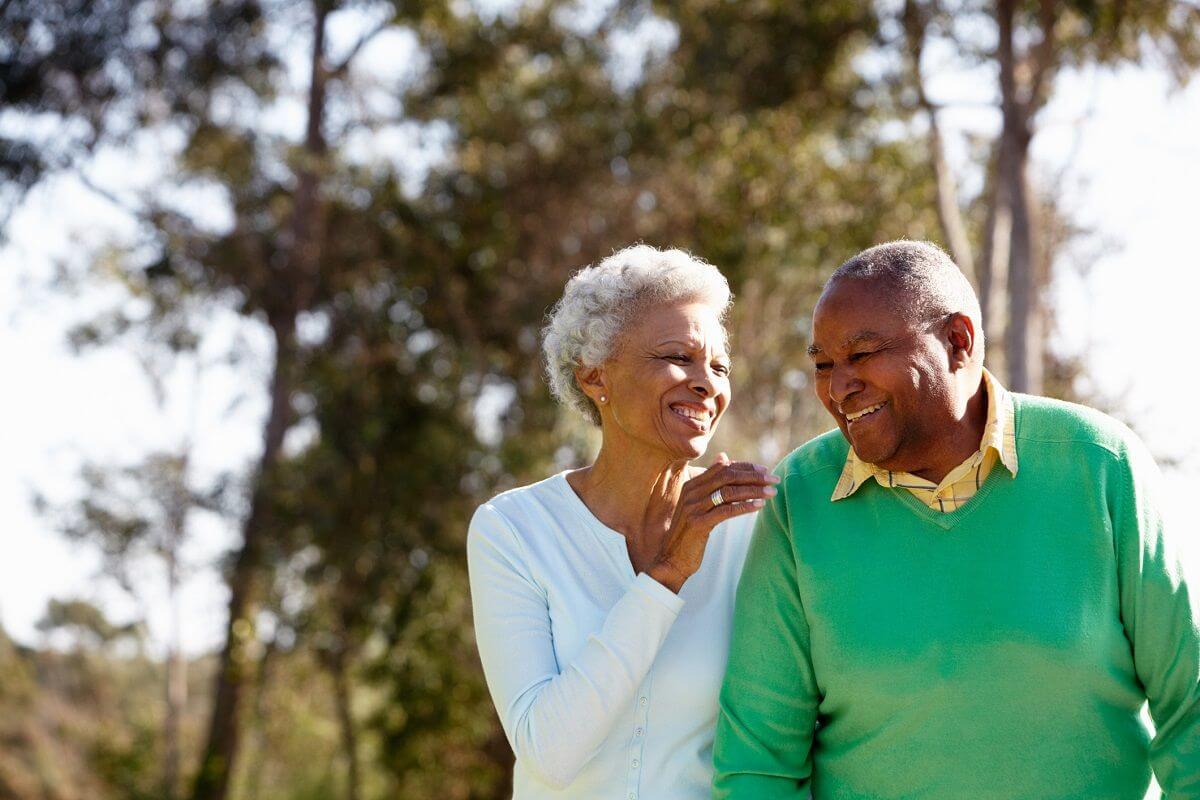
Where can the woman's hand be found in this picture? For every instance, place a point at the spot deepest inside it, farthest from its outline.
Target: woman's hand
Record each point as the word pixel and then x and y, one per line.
pixel 744 488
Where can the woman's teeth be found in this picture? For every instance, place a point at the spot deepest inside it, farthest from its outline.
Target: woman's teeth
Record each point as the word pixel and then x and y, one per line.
pixel 691 414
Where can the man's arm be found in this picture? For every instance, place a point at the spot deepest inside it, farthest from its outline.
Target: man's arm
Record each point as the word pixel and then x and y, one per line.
pixel 768 705
pixel 1160 590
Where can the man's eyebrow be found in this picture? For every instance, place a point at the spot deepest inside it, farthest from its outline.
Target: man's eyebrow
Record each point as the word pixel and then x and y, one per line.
pixel 863 338
pixel 856 340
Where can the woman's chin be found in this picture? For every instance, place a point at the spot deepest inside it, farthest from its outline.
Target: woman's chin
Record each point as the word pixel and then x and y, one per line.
pixel 695 447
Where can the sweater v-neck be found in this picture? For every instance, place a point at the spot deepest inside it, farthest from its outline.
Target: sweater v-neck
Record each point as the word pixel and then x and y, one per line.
pixel 947 520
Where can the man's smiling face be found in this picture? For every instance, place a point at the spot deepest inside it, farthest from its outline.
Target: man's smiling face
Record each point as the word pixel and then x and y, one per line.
pixel 884 377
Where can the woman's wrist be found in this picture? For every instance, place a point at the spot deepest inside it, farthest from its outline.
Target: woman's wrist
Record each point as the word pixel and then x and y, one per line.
pixel 667 574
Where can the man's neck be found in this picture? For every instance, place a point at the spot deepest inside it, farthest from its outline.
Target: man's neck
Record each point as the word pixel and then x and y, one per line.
pixel 962 438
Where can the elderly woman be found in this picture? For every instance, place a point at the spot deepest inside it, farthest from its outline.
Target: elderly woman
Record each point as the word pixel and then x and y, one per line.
pixel 603 596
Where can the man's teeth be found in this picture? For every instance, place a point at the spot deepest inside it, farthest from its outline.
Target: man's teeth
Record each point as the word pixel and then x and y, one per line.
pixel 864 412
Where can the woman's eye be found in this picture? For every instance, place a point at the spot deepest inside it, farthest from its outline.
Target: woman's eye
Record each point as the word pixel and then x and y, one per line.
pixel 721 369
pixel 679 359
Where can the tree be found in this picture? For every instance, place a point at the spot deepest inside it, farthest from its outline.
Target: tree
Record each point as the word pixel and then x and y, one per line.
pixel 1033 42
pixel 87 623
pixel 85 73
pixel 133 514
pixel 403 308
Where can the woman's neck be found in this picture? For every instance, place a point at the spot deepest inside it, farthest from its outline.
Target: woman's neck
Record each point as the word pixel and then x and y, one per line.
pixel 631 492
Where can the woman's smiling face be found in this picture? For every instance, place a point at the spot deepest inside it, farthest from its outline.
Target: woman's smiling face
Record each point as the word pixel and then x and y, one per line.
pixel 667 381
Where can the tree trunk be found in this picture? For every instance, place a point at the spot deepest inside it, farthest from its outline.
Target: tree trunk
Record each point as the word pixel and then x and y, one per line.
pixel 297 284
pixel 260 744
pixel 1024 339
pixel 176 689
pixel 345 712
pixel 954 229
pixel 993 270
pixel 216 765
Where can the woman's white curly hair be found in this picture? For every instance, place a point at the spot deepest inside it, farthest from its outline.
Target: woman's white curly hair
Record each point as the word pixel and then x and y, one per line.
pixel 601 300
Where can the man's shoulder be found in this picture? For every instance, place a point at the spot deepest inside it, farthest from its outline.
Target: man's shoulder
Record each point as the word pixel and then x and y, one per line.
pixel 827 451
pixel 1045 419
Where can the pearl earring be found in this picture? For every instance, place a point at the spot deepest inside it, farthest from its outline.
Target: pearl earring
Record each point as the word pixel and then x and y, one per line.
pixel 603 398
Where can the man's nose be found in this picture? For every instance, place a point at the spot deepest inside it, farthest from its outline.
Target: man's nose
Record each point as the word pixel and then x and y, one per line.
pixel 842 384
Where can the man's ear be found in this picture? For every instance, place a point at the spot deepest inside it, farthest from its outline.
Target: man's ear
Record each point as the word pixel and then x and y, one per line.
pixel 594 384
pixel 963 339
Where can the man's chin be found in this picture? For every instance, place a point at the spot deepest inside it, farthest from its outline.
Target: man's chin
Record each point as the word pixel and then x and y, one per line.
pixel 870 451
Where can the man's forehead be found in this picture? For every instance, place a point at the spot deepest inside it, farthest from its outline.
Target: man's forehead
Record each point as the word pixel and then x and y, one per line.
pixel 856 316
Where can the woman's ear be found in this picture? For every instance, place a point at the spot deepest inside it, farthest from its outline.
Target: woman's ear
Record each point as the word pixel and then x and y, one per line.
pixel 594 384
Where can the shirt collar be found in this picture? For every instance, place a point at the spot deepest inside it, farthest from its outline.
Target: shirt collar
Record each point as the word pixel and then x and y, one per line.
pixel 998 434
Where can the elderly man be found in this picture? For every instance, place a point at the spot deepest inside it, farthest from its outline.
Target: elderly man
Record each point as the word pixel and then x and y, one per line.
pixel 962 592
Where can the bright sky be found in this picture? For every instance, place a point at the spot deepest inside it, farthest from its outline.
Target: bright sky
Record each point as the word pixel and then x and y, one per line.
pixel 1133 164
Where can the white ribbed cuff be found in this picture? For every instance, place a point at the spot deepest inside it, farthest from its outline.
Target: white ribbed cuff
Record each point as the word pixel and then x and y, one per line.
pixel 658 593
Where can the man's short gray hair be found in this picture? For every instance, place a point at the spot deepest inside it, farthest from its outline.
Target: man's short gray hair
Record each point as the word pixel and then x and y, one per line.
pixel 600 301
pixel 928 283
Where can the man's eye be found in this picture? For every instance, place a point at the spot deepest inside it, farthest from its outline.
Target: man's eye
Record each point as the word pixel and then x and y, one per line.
pixel 822 367
pixel 857 357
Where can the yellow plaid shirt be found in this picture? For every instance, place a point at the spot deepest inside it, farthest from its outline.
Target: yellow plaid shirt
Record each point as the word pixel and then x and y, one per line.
pixel 962 482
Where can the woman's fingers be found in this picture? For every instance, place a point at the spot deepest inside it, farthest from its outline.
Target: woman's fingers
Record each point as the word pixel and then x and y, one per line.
pixel 725 511
pixel 740 493
pixel 728 501
pixel 736 473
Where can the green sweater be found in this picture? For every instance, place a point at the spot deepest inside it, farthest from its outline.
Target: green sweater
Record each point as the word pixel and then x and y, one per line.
pixel 885 650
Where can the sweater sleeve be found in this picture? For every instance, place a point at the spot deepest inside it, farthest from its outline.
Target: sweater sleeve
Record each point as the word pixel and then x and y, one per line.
pixel 768 703
pixel 1160 589
pixel 556 719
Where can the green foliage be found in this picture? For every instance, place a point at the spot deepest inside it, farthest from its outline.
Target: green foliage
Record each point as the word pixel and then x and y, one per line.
pixel 129 764
pixel 755 141
pixel 439 735
pixel 104 69
pixel 86 622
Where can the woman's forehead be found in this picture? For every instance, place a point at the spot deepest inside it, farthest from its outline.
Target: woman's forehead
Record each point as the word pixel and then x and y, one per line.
pixel 693 324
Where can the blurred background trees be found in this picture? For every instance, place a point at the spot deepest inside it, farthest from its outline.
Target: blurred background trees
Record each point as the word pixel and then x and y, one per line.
pixel 396 192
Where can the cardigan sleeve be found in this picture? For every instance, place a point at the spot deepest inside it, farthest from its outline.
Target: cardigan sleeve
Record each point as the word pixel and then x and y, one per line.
pixel 768 703
pixel 1160 589
pixel 556 718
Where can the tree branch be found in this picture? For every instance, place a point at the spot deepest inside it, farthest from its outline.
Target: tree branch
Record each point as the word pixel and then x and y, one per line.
pixel 916 20
pixel 1042 57
pixel 340 69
